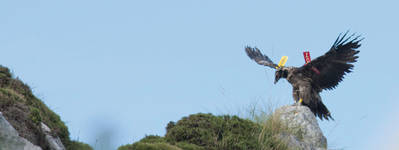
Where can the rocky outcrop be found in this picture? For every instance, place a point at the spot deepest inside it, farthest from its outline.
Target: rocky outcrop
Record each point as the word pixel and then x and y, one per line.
pixel 53 142
pixel 308 135
pixel 10 139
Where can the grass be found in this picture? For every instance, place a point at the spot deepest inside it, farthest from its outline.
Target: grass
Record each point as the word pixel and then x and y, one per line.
pixel 272 128
pixel 25 112
pixel 260 131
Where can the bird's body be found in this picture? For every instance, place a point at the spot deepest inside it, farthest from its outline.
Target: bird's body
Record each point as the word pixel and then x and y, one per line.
pixel 325 72
pixel 302 88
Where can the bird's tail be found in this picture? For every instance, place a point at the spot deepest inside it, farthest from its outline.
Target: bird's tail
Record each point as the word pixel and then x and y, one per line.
pixel 320 110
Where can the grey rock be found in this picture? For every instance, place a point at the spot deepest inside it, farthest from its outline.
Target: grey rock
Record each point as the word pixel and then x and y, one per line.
pixel 10 139
pixel 301 119
pixel 53 142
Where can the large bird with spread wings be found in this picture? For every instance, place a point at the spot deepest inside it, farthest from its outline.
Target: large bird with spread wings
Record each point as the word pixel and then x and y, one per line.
pixel 322 73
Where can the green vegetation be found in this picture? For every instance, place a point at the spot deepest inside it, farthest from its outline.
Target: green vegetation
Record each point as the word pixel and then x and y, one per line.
pixel 208 132
pixel 153 142
pixel 149 146
pixel 25 112
pixel 214 132
pixel 75 145
pixel 35 115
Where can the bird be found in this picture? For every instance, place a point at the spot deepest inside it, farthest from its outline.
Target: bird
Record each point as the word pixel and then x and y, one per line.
pixel 323 73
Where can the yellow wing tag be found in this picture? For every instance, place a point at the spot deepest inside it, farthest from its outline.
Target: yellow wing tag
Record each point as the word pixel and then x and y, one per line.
pixel 282 62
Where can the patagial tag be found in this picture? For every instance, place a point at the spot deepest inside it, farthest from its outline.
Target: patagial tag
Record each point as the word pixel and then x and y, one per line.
pixel 306 55
pixel 282 62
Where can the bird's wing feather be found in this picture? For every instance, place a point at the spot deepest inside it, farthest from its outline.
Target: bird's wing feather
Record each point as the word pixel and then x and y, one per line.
pixel 258 57
pixel 329 69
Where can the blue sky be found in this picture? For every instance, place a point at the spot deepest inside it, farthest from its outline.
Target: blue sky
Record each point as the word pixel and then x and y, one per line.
pixel 118 70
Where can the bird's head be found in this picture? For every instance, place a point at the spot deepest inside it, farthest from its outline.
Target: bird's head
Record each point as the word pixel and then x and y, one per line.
pixel 281 72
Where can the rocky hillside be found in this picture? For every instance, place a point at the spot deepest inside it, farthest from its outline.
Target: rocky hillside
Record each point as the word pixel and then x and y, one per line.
pixel 289 128
pixel 25 121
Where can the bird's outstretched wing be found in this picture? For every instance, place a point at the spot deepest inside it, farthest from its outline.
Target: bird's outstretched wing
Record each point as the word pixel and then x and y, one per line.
pixel 328 70
pixel 258 57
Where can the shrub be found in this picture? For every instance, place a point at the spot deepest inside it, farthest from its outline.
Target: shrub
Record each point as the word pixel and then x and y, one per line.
pixel 153 139
pixel 152 146
pixel 75 145
pixel 150 142
pixel 209 132
pixel 189 146
pixel 214 132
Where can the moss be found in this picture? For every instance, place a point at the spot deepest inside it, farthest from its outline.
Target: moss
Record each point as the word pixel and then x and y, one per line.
pixel 24 111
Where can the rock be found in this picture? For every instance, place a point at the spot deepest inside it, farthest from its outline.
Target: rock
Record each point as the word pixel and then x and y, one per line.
pixel 53 142
pixel 10 139
pixel 301 119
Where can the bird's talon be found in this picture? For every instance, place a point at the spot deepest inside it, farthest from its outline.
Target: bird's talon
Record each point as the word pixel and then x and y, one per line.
pixel 299 103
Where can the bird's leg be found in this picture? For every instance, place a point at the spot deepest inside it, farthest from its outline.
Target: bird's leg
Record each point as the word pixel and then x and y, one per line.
pixel 299 103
